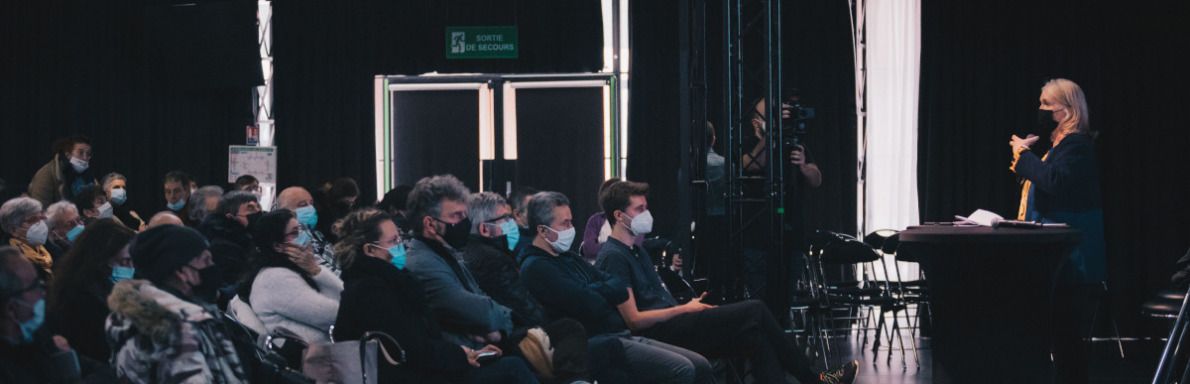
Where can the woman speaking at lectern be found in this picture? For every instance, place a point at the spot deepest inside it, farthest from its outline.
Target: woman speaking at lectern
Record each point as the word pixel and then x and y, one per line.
pixel 1063 187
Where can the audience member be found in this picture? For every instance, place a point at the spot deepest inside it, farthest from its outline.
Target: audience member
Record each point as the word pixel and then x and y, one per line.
pixel 675 279
pixel 298 200
pixel 203 201
pixel 744 329
pixel 488 255
pixel 394 204
pixel 64 223
pixel 162 329
pixel 66 174
pixel 285 286
pixel 519 199
pixel 380 295
pixel 597 229
pixel 334 203
pixel 247 183
pixel 28 352
pixel 165 218
pixel 228 230
pixel 116 188
pixel 77 303
pixel 92 204
pixel 177 190
pixel 568 286
pixel 22 220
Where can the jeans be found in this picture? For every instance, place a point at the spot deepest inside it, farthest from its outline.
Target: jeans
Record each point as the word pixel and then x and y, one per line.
pixel 652 361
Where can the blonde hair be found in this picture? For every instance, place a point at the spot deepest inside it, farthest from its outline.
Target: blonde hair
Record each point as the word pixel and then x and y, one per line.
pixel 1069 95
pixel 358 228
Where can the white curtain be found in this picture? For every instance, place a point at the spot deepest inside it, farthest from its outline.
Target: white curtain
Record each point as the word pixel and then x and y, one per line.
pixel 893 34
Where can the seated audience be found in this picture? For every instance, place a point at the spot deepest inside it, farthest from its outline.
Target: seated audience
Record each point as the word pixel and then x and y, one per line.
pixel 335 202
pixel 227 228
pixel 203 201
pixel 744 329
pixel 301 203
pixel 116 188
pixel 22 220
pixel 163 218
pixel 247 183
pixel 177 190
pixel 162 328
pixel 65 225
pixel 373 260
pixel 488 255
pixel 284 286
pixel 29 353
pixel 568 286
pixel 77 303
pixel 393 203
pixel 597 230
pixel 92 204
pixel 66 174
pixel 519 199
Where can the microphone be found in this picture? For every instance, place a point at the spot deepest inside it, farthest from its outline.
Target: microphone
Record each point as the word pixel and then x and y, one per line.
pixel 997 223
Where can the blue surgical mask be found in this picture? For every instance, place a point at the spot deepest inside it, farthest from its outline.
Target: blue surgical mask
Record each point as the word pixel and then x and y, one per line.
pixel 35 322
pixel 178 205
pixel 119 196
pixel 398 254
pixel 122 273
pixel 307 215
pixel 512 232
pixel 74 233
pixel 302 239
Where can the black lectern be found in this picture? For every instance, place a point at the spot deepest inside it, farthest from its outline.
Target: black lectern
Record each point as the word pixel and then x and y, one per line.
pixel 990 290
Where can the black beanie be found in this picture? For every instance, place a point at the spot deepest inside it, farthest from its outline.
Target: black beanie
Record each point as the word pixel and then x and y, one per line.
pixel 159 251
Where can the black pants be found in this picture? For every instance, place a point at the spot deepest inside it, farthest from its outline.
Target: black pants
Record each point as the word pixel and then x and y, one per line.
pixel 744 329
pixel 1071 322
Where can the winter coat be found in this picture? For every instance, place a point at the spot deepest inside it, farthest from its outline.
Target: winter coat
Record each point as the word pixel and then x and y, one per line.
pixel 49 184
pixel 379 297
pixel 282 299
pixel 79 316
pixel 158 337
pixel 230 247
pixel 461 306
pixel 499 275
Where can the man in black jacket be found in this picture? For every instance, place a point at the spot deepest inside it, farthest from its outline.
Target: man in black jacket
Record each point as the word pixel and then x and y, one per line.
pixel 228 231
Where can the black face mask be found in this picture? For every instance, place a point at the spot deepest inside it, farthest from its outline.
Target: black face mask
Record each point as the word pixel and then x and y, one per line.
pixel 253 218
pixel 1045 122
pixel 208 290
pixel 456 234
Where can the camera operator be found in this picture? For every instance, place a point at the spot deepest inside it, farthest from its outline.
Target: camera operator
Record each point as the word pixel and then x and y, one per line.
pixel 756 159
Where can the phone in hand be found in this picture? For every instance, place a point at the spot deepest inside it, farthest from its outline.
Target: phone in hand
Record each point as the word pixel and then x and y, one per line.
pixel 486 356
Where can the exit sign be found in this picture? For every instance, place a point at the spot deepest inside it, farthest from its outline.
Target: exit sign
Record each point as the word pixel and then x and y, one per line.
pixel 481 42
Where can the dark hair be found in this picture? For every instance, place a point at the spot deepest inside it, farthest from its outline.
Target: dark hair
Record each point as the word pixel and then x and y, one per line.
pixel 517 198
pixel 603 187
pixel 344 187
pixel 540 210
pixel 231 202
pixel 395 199
pixel 709 135
pixel 427 195
pixel 86 198
pixel 86 265
pixel 268 232
pixel 619 196
pixel 358 228
pixel 243 181
pixel 178 176
pixel 66 144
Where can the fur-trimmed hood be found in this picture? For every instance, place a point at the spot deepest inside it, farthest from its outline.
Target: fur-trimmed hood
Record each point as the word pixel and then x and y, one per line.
pixel 150 310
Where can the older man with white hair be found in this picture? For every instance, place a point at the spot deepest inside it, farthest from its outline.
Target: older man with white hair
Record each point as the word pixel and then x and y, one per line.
pixel 62 218
pixel 299 200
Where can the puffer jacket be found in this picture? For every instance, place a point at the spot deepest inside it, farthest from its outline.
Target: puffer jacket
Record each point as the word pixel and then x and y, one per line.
pixel 157 337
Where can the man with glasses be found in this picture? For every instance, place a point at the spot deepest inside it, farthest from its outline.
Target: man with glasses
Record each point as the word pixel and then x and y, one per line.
pixel 228 229
pixel 28 353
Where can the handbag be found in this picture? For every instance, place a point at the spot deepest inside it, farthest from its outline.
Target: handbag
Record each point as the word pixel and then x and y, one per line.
pixel 350 362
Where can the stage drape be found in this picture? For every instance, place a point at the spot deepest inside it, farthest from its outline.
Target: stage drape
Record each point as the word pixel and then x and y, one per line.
pixel 983 65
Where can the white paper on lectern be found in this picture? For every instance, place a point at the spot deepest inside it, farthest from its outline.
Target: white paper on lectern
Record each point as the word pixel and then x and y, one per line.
pixel 980 217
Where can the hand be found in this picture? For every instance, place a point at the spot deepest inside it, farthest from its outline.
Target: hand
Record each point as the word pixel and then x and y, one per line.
pixel 303 257
pixel 798 155
pixel 696 304
pixel 786 111
pixel 61 343
pixel 1018 143
pixel 758 127
pixel 473 354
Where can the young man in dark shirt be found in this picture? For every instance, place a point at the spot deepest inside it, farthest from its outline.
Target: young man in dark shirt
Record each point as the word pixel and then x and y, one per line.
pixel 744 329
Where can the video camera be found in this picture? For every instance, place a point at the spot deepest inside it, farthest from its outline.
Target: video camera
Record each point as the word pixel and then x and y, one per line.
pixel 793 130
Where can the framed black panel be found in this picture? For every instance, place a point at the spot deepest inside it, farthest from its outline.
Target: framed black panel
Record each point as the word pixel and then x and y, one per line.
pixel 435 132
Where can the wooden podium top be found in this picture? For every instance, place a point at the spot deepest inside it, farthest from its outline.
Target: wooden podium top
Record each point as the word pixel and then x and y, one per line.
pixel 949 234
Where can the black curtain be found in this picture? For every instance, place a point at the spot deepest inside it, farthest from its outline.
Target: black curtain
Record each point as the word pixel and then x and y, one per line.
pixel 327 54
pixel 88 67
pixel 983 65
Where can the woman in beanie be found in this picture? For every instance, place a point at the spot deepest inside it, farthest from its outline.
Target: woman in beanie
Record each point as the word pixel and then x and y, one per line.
pixel 163 328
pixel 285 286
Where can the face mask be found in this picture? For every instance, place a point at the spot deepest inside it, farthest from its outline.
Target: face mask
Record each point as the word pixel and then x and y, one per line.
pixel 398 254
pixel 1045 121
pixel 78 164
pixel 119 196
pixel 456 234
pixel 35 322
pixel 74 233
pixel 641 224
pixel 302 239
pixel 105 211
pixel 307 215
pixel 253 218
pixel 565 238
pixel 122 273
pixel 178 205
pixel 37 234
pixel 512 232
pixel 208 287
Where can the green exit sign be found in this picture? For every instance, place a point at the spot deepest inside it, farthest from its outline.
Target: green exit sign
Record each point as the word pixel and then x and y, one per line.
pixel 481 43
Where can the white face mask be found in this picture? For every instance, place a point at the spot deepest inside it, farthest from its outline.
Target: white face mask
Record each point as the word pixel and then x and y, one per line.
pixel 36 235
pixel 641 224
pixel 105 210
pixel 565 239
pixel 78 164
